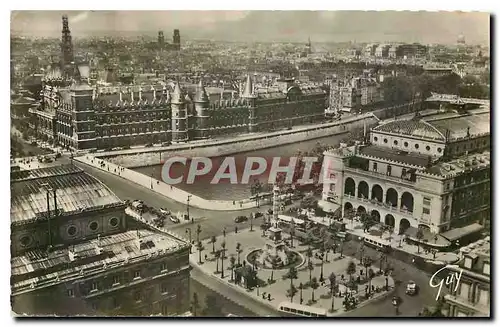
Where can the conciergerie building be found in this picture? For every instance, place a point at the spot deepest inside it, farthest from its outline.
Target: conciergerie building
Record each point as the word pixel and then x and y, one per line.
pixel 79 116
pixel 430 172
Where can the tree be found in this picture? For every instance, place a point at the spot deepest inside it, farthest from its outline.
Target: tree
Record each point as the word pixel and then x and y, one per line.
pixel 367 221
pixel 213 240
pixel 314 286
pixel 420 235
pixel 291 292
pixel 251 222
pixel 223 254
pixel 195 305
pixel 232 261
pixel 291 274
pixel 301 287
pixel 370 274
pixel 309 254
pixel 333 288
pixel 367 262
pixel 200 248
pixel 322 252
pixel 351 269
pixel 309 202
pixel 434 252
pixel 217 255
pixel 238 251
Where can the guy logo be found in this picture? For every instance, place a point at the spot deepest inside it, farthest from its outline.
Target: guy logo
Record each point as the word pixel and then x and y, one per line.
pixel 445 281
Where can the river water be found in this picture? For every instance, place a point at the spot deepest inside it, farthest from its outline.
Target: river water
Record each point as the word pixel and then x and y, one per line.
pixel 224 190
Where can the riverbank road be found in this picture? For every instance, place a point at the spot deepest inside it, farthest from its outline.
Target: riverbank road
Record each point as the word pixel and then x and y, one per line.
pixel 211 222
pixel 165 189
pixel 252 245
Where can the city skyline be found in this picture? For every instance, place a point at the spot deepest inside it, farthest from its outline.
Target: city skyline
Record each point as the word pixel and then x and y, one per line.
pixel 280 26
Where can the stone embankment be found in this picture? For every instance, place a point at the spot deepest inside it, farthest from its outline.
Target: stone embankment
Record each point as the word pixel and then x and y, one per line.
pixel 214 148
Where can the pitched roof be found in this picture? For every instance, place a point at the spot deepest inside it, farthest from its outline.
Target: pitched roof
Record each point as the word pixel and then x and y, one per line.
pixel 248 91
pixel 75 191
pixel 201 93
pixel 178 94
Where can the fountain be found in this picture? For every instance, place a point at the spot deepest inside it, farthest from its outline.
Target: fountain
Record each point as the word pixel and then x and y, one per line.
pixel 275 254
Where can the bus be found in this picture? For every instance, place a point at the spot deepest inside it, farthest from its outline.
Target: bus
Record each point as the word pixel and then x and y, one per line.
pixel 378 243
pixel 295 309
pixel 286 221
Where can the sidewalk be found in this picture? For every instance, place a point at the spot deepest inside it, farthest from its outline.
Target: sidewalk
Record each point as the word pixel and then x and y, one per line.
pixel 253 240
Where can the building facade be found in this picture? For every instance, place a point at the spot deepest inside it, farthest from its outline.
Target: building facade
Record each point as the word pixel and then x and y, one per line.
pixel 84 255
pixel 471 295
pixel 354 93
pixel 82 117
pixel 429 172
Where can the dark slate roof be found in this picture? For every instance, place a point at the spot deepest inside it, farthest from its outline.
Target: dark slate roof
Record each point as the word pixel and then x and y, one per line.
pixel 414 128
pixel 75 191
pixel 381 152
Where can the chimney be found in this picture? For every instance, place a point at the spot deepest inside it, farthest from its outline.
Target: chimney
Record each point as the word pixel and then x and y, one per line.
pixel 55 203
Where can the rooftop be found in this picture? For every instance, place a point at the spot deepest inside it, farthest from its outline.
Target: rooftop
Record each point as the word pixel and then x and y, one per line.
pixel 477 124
pixel 458 165
pixel 414 159
pixel 414 127
pixel 75 191
pixel 39 267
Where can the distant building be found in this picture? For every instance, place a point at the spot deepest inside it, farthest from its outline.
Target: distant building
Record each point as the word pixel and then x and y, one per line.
pixel 431 172
pixel 353 93
pixel 472 296
pixel 370 50
pixel 382 51
pixel 74 251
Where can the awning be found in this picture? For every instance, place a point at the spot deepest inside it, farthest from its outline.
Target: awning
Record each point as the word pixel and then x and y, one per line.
pixel 457 233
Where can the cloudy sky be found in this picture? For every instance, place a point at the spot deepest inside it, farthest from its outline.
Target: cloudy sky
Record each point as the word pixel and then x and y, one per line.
pixel 321 26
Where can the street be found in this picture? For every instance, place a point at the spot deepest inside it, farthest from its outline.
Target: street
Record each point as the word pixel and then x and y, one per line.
pixel 214 222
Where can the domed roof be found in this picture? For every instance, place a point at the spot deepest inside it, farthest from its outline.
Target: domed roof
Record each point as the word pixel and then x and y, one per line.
pixel 414 128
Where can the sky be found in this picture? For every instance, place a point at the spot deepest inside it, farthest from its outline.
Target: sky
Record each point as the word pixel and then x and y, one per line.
pixel 267 26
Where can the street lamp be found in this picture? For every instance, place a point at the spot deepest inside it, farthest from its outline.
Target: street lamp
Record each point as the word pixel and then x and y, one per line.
pixel 187 204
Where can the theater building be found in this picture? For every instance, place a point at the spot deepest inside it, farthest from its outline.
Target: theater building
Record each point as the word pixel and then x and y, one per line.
pixel 74 251
pixel 431 172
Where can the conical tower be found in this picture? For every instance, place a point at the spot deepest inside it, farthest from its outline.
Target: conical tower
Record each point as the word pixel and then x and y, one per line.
pixel 179 115
pixel 202 114
pixel 251 98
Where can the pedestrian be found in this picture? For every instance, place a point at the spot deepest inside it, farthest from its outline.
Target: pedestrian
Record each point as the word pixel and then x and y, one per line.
pixel 224 232
pixel 236 229
pixel 269 296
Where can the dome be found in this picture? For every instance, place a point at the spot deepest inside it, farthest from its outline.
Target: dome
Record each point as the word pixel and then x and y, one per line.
pixel 413 128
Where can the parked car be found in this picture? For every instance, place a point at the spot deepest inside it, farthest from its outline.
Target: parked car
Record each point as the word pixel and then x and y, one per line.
pixel 411 288
pixel 164 211
pixel 240 219
pixel 174 219
pixel 149 145
pixel 258 214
